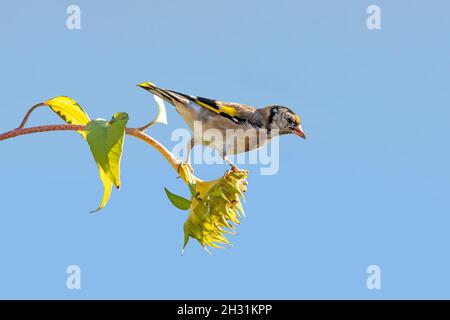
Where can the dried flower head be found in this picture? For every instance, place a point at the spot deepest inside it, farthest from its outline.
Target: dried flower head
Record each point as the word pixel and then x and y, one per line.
pixel 216 209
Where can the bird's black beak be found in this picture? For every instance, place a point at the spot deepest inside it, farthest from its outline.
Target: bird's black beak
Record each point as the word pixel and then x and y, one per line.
pixel 299 132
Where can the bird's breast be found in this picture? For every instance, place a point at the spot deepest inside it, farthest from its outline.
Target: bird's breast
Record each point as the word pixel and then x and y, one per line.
pixel 235 140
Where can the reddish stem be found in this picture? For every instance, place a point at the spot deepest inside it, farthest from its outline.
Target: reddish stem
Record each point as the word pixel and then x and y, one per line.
pixel 55 127
pixel 174 162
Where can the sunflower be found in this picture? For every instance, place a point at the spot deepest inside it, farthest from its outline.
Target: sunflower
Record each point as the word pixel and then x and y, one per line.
pixel 215 209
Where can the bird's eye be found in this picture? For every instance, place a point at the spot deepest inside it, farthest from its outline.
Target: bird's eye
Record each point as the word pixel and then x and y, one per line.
pixel 289 120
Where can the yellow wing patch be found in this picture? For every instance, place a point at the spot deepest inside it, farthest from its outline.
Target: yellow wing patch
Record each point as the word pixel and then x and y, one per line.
pixel 232 112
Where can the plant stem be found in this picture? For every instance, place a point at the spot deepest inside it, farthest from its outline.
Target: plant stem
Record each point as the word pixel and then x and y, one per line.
pixel 174 162
pixel 55 127
pixel 25 119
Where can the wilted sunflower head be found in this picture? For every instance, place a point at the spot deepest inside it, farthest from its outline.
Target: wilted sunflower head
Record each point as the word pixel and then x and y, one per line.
pixel 216 209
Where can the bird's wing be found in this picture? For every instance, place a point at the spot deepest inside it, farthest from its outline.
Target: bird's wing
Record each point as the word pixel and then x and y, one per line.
pixel 234 111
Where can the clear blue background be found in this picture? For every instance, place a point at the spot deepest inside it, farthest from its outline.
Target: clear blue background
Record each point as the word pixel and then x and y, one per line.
pixel 371 185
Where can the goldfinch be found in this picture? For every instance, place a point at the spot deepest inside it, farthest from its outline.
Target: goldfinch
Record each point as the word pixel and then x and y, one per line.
pixel 245 128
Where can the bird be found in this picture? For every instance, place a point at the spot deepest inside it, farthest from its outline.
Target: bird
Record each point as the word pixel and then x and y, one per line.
pixel 244 127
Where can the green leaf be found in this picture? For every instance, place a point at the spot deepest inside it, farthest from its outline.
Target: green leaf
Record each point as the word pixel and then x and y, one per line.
pixel 192 189
pixel 107 187
pixel 69 110
pixel 105 139
pixel 177 201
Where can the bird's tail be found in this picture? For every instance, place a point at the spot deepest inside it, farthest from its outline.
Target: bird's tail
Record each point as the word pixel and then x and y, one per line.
pixel 167 95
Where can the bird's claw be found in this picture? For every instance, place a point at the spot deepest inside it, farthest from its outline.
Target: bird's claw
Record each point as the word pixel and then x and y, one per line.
pixel 234 168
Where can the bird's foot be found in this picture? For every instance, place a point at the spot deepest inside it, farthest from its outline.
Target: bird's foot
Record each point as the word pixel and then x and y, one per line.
pixel 234 168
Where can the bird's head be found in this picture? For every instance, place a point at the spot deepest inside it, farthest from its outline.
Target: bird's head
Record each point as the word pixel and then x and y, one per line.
pixel 285 120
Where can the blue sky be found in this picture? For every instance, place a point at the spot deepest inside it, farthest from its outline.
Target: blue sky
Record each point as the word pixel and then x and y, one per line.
pixel 369 186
